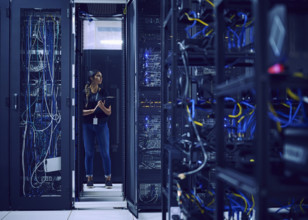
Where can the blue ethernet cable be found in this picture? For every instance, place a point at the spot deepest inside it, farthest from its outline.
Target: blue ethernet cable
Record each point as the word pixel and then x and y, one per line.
pixel 193 109
pixel 290 116
pixel 88 16
pixel 236 35
pixel 243 28
pixel 249 121
pixel 286 123
pixel 247 200
pixel 234 109
pixel 233 113
pixel 229 99
pixel 247 104
pixel 284 207
pixel 202 31
pixel 235 202
pixel 193 24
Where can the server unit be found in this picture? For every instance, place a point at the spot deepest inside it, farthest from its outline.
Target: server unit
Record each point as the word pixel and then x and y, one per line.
pixel 40 137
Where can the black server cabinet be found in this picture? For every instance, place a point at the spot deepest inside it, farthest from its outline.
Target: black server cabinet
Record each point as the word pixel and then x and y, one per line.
pixel 188 117
pixel 144 81
pixel 130 152
pixel 40 137
pixel 4 94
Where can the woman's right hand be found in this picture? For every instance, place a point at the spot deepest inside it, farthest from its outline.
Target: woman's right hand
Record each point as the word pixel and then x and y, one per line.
pixel 90 111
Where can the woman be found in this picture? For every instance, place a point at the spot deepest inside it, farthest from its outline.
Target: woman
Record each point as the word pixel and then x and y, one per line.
pixel 95 115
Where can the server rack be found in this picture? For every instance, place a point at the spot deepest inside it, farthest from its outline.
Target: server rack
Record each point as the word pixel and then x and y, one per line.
pixel 267 177
pixel 4 100
pixel 184 67
pixel 255 163
pixel 222 90
pixel 144 74
pixel 40 106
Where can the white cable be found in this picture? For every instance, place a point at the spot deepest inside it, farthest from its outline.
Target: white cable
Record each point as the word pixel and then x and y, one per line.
pixel 52 83
pixel 56 144
pixel 27 109
pixel 23 158
pixel 39 164
pixel 54 117
pixel 184 174
pixel 51 130
pixel 24 137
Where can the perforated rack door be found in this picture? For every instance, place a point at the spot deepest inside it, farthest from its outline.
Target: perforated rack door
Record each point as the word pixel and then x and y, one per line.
pixel 39 114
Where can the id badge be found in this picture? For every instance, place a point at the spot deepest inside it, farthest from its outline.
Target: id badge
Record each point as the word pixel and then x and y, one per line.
pixel 95 121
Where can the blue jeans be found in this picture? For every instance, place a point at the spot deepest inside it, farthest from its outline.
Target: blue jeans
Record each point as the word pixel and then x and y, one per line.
pixel 101 132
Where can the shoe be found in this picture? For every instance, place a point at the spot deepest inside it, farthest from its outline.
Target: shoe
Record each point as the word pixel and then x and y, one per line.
pixel 108 184
pixel 90 184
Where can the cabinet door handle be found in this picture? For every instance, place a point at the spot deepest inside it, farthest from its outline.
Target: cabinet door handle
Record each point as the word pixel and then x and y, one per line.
pixel 15 101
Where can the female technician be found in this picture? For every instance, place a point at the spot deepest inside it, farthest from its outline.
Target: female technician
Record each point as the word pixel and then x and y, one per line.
pixel 95 115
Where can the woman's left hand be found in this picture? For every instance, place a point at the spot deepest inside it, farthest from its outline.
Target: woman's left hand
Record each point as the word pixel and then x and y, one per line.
pixel 102 106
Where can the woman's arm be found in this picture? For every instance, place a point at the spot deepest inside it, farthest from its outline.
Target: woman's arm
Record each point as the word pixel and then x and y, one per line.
pixel 89 111
pixel 102 106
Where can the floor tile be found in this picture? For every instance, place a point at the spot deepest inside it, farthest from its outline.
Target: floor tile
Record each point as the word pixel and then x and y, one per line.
pixel 100 214
pixel 100 205
pixel 149 216
pixel 38 215
pixel 101 187
pixel 3 213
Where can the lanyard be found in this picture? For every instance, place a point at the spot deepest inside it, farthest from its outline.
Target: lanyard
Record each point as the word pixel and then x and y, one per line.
pixel 95 120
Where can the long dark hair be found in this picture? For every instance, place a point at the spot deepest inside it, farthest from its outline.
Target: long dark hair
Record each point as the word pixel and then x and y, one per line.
pixel 91 74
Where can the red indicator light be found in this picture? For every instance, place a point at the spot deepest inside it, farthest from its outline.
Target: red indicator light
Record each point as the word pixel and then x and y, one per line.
pixel 276 69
